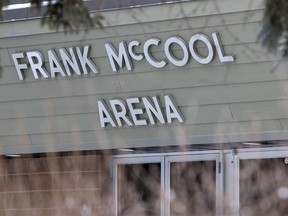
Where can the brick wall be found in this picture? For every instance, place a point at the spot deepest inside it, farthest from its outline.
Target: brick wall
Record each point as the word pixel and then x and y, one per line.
pixel 65 185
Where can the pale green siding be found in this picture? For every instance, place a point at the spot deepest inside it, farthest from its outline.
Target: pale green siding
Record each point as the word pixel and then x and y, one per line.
pixel 221 102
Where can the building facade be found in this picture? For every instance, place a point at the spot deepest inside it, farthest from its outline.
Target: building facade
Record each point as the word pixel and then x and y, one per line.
pixel 169 110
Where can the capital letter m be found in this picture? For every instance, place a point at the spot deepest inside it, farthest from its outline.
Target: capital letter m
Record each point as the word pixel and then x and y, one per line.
pixel 116 61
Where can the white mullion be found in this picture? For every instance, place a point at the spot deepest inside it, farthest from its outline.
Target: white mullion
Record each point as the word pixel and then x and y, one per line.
pixel 163 189
pixel 115 187
pixel 219 184
pixel 167 187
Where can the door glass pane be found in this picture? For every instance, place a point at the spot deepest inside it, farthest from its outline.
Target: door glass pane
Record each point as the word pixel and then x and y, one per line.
pixel 139 190
pixel 192 188
pixel 264 187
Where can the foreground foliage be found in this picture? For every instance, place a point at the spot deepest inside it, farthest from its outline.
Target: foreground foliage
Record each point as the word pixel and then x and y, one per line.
pixel 69 15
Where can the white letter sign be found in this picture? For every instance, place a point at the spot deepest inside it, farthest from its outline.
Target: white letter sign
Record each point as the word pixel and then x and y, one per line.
pixel 122 116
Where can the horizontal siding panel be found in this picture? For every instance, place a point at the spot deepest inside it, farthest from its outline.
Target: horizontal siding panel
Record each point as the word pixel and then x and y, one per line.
pixel 6 30
pixel 256 72
pixel 59 88
pixel 284 124
pixel 69 142
pixel 23 27
pixel 234 18
pixel 249 53
pixel 48 107
pixel 104 139
pixel 148 136
pixel 22 140
pixel 173 78
pixel 9 75
pixel 4 57
pixel 230 128
pixel 51 124
pixel 202 76
pixel 260 110
pixel 230 93
pixel 206 114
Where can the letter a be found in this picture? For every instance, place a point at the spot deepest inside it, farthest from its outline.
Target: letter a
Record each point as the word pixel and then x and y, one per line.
pixel 104 114
pixel 172 111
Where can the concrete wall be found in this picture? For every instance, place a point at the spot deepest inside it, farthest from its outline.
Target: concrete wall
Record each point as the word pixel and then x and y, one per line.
pixel 221 102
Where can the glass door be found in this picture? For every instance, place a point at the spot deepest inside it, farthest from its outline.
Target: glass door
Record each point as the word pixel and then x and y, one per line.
pixel 239 182
pixel 263 183
pixel 193 183
pixel 168 184
pixel 139 184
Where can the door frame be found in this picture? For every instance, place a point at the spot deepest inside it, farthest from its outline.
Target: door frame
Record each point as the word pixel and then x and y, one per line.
pixel 165 159
pixel 216 156
pixel 244 154
pixel 134 159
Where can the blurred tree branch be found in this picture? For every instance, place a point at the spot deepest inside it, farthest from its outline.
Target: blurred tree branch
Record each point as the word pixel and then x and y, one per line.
pixel 273 34
pixel 69 15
